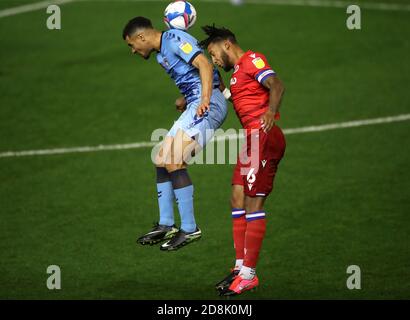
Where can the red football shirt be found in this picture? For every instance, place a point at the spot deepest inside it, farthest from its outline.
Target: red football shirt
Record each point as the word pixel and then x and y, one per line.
pixel 250 98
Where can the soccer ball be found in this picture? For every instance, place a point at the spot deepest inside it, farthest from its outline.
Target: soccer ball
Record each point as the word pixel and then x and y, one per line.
pixel 180 15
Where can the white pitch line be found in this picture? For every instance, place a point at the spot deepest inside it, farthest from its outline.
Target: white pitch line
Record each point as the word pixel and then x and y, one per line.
pixel 302 3
pixel 85 149
pixel 333 4
pixel 138 145
pixel 349 124
pixel 30 7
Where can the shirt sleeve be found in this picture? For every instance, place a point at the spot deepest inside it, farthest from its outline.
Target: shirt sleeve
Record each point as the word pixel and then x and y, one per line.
pixel 186 48
pixel 259 68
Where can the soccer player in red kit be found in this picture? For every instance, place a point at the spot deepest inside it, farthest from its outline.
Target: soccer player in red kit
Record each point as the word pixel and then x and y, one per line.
pixel 256 93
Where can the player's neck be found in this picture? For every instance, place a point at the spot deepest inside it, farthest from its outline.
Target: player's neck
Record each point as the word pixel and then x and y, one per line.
pixel 157 35
pixel 237 54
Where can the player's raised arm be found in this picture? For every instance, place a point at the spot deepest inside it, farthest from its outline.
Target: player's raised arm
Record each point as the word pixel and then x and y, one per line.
pixel 187 48
pixel 205 68
pixel 276 91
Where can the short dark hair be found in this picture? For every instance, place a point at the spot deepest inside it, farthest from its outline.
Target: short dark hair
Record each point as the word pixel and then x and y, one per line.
pixel 215 35
pixel 134 24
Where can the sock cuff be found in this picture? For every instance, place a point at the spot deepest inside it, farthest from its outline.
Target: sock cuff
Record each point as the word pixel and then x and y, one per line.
pixel 164 183
pixel 184 189
pixel 237 213
pixel 255 215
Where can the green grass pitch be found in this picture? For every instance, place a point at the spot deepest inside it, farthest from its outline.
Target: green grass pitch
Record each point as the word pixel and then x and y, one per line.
pixel 341 197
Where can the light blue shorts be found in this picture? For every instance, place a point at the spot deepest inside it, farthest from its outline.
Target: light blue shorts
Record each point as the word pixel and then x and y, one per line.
pixel 201 129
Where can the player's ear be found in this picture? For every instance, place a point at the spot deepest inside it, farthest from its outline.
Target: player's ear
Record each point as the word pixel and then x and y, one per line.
pixel 141 36
pixel 227 44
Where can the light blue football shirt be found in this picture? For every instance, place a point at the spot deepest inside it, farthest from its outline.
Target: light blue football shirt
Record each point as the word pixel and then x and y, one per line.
pixel 178 50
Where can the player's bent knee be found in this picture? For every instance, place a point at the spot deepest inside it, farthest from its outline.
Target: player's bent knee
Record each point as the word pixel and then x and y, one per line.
pixel 164 154
pixel 159 161
pixel 236 203
pixel 237 197
pixel 253 204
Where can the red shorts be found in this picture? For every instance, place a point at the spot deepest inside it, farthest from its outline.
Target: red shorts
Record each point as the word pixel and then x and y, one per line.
pixel 258 162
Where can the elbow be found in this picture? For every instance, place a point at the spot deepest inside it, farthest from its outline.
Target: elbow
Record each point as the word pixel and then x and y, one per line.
pixel 206 69
pixel 277 87
pixel 281 88
pixel 209 66
pixel 205 65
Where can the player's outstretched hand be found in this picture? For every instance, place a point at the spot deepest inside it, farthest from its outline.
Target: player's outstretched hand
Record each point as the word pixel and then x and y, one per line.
pixel 203 107
pixel 180 103
pixel 268 120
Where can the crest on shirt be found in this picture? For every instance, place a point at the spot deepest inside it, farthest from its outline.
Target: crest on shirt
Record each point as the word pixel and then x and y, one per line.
pixel 165 64
pixel 186 47
pixel 258 62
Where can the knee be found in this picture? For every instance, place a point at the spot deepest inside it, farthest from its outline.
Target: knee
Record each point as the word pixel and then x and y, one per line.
pixel 253 204
pixel 158 161
pixel 160 158
pixel 237 199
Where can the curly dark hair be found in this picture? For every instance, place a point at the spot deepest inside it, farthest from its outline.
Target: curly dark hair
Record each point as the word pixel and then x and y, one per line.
pixel 216 34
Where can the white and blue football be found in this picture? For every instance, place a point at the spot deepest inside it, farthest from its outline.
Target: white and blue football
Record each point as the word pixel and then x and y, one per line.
pixel 180 15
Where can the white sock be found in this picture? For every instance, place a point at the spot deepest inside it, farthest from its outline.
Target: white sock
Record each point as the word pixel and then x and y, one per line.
pixel 247 273
pixel 238 264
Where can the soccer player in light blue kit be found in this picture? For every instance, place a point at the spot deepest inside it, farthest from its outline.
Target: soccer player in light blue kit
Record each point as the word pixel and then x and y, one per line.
pixel 182 58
